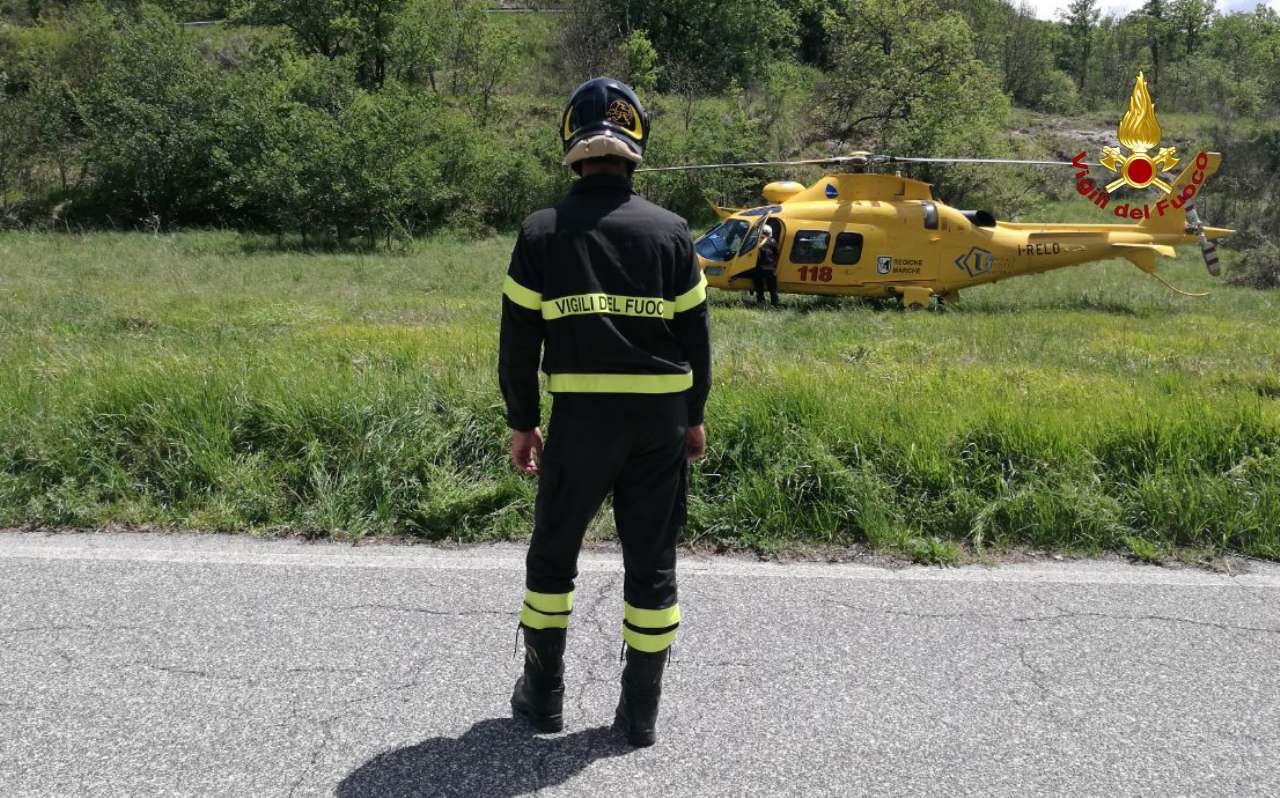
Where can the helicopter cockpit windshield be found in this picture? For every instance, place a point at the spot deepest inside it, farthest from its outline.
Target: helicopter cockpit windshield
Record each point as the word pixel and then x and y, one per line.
pixel 722 241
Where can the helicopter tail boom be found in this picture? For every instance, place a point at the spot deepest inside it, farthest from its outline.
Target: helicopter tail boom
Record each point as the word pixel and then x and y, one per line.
pixel 723 213
pixel 1171 211
pixel 1176 213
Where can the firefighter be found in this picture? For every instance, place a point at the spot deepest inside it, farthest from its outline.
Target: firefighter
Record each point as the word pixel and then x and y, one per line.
pixel 604 286
pixel 766 271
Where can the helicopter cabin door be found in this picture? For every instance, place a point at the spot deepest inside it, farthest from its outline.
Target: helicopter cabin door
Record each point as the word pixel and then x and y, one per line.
pixel 741 266
pixel 844 259
pixel 821 258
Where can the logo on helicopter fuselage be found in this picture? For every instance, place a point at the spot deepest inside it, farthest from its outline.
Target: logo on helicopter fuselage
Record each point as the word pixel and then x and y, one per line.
pixel 974 262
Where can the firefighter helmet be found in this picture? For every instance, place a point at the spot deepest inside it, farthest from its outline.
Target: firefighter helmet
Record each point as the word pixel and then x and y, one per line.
pixel 604 117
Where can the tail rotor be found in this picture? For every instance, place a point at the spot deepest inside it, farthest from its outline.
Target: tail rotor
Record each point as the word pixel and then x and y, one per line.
pixel 1207 248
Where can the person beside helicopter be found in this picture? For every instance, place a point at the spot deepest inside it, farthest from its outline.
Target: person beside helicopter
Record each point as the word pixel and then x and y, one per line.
pixel 606 288
pixel 766 271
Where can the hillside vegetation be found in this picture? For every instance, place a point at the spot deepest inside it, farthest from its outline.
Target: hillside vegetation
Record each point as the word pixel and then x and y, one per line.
pixel 369 123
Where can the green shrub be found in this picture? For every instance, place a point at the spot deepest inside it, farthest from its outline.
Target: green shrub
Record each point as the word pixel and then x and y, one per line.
pixel 1257 268
pixel 640 62
pixel 1055 93
pixel 149 113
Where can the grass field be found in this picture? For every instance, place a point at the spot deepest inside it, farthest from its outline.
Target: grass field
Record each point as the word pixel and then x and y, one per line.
pixel 208 380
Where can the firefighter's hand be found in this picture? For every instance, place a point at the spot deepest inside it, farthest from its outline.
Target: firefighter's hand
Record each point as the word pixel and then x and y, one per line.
pixel 695 442
pixel 526 450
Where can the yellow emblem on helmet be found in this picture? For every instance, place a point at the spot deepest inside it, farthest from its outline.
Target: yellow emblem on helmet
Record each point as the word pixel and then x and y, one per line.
pixel 624 116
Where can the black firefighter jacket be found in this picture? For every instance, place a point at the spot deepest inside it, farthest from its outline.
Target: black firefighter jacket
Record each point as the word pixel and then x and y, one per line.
pixel 610 282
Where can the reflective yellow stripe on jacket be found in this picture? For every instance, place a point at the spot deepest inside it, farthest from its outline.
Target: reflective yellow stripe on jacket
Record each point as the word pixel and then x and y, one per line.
pixel 694 296
pixel 520 295
pixel 619 383
pixel 614 304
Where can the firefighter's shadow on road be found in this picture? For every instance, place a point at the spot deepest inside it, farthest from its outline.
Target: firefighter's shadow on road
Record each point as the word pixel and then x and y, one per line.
pixel 498 757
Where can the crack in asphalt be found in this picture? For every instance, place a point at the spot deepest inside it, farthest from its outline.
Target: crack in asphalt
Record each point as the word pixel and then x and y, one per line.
pixel 326 734
pixel 1076 615
pixel 203 674
pixel 1038 675
pixel 597 616
pixel 949 616
pixel 251 679
pixel 413 674
pixel 326 669
pixel 383 692
pixel 66 628
pixel 1061 614
pixel 423 610
pixel 733 663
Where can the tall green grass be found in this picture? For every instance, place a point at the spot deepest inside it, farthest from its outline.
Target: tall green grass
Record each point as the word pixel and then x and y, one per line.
pixel 209 380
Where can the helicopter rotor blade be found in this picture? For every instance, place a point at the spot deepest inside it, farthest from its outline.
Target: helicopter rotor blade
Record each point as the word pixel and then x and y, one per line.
pixel 862 160
pixel 743 165
pixel 992 161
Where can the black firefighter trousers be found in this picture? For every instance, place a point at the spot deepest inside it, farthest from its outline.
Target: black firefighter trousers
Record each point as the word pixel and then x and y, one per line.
pixel 634 447
pixel 762 279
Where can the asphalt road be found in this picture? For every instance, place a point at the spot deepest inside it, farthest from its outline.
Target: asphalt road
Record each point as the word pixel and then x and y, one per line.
pixel 139 665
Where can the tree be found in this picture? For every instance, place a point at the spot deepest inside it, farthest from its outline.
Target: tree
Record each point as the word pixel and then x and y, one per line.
pixel 422 41
pixel 1155 17
pixel 989 23
pixel 334 28
pixel 813 20
pixel 16 155
pixel 455 48
pixel 1080 17
pixel 1191 18
pixel 1248 46
pixel 149 113
pixel 484 57
pixel 904 77
pixel 1030 76
pixel 640 62
pixel 588 40
pixel 722 42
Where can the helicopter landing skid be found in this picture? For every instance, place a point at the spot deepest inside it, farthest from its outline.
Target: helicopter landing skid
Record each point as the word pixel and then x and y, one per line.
pixel 915 297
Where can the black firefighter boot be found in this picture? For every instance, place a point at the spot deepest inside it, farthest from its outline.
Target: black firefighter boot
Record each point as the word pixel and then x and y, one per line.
pixel 641 689
pixel 539 693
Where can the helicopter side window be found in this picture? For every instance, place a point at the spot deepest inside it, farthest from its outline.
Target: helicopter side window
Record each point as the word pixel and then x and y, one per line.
pixel 848 249
pixel 722 241
pixel 809 246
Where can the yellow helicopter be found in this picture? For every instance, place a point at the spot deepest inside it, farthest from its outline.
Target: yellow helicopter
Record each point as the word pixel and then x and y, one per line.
pixel 858 233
